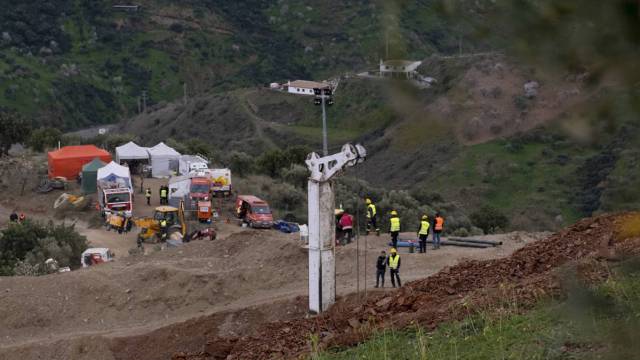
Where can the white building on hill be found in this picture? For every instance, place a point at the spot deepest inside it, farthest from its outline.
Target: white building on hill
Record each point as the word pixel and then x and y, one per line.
pixel 399 68
pixel 305 87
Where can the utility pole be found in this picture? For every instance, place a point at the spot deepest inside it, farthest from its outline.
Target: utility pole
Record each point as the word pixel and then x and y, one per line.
pixel 139 105
pixel 324 96
pixel 184 88
pixel 144 101
pixel 325 146
pixel 321 200
pixel 386 34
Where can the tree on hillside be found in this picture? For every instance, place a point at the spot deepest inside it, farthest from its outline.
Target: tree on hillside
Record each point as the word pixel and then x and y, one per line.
pixel 44 138
pixel 241 163
pixel 13 129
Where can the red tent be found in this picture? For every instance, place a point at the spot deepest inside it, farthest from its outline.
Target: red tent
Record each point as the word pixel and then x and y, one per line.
pixel 68 161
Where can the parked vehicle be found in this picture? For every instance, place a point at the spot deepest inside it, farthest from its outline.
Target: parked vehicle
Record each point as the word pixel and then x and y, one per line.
pixel 192 163
pixel 115 192
pixel 254 211
pixel 200 189
pixel 205 211
pixel 150 230
pixel 220 181
pixel 95 256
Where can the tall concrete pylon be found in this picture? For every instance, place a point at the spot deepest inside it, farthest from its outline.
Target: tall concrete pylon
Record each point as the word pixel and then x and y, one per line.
pixel 322 263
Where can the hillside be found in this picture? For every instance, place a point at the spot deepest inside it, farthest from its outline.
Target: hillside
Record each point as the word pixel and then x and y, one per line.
pixel 76 63
pixel 565 148
pixel 475 138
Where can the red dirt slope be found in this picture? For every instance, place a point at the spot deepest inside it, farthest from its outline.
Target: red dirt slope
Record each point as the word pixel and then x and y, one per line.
pixel 523 277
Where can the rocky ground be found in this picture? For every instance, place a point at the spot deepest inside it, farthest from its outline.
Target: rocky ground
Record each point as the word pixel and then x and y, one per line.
pixel 526 276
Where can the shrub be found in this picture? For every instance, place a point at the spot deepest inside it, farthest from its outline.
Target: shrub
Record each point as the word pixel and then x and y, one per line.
pixel 271 162
pixel 521 102
pixel 426 196
pixel 461 232
pixel 44 138
pixel 240 163
pixel 34 242
pixel 475 231
pixel 489 219
pixel 286 197
pixel 296 175
pixel 13 129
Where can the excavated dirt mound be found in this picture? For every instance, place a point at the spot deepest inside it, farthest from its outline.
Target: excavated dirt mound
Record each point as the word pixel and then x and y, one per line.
pixel 524 277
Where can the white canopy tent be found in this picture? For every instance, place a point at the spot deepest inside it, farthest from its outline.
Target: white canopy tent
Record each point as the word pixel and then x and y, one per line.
pixel 131 151
pixel 163 160
pixel 114 173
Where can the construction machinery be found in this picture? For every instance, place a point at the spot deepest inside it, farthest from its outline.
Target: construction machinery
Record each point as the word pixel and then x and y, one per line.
pixel 176 228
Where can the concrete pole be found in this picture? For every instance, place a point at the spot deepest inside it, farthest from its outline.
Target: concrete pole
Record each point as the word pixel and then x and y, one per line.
pixel 322 265
pixel 325 147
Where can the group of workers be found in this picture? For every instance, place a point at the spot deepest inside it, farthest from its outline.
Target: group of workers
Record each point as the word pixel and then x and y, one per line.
pixel 393 260
pixel 163 192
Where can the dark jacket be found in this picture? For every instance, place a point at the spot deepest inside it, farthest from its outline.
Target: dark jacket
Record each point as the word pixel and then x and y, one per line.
pixel 382 263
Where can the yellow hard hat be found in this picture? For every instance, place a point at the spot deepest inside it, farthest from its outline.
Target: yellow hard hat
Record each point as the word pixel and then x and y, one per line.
pixel 368 201
pixel 425 217
pixel 393 250
pixel 393 212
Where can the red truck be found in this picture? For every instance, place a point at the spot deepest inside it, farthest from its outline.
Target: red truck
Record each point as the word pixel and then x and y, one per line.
pixel 200 187
pixel 199 193
pixel 254 211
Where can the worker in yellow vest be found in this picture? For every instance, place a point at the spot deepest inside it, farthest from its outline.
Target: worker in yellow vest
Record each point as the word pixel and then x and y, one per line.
pixel 372 213
pixel 438 226
pixel 147 194
pixel 394 267
pixel 164 194
pixel 423 233
pixel 394 228
pixel 163 229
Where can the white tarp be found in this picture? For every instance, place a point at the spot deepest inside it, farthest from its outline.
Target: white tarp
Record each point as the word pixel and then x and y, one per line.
pixel 164 159
pixel 131 151
pixel 189 163
pixel 114 173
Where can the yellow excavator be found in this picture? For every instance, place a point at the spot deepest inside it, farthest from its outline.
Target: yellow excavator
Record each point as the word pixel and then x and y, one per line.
pixel 150 226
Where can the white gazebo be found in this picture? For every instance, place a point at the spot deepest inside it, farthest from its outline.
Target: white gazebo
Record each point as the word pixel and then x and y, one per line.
pixel 163 160
pixel 131 151
pixel 114 173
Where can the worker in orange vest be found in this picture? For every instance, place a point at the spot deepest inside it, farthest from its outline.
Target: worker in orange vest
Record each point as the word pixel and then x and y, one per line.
pixel 438 226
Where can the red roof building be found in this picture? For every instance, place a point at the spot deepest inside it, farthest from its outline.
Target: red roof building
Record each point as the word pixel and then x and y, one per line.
pixel 68 161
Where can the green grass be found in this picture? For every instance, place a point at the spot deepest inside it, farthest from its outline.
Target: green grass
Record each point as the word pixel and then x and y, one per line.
pixel 598 322
pixel 515 178
pixel 311 134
